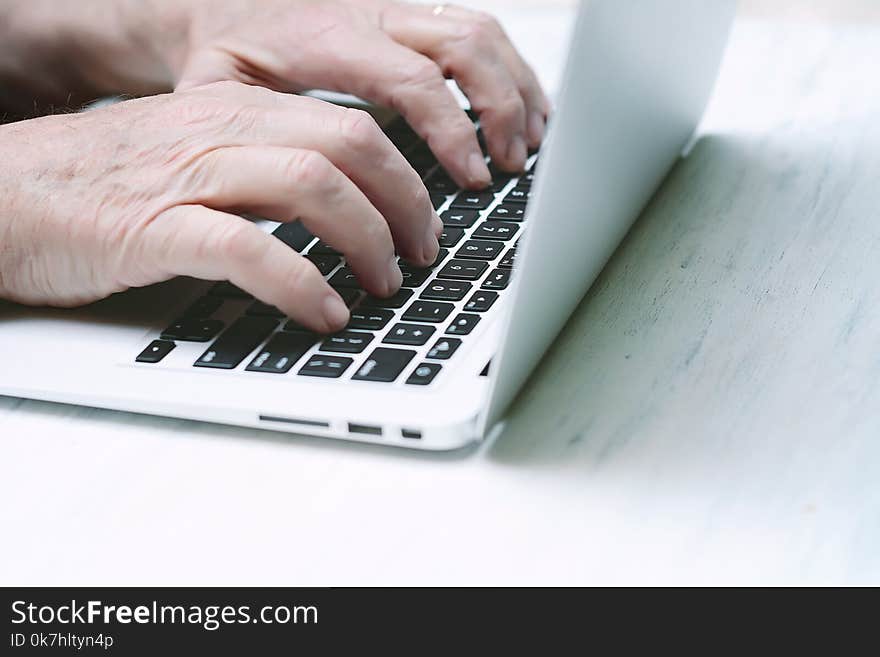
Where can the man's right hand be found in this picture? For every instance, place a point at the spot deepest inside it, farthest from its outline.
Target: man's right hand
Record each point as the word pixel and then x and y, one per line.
pixel 137 193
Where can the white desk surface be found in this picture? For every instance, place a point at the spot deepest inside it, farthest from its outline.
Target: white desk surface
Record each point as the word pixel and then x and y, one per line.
pixel 710 415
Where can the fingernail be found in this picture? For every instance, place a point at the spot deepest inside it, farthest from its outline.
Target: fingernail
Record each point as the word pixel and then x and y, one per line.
pixel 536 128
pixel 478 170
pixel 437 226
pixel 517 153
pixel 335 311
pixel 395 277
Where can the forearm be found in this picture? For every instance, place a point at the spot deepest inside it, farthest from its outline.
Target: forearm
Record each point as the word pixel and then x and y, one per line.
pixel 57 52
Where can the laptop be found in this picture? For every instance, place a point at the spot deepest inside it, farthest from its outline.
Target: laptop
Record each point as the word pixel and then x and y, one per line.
pixel 436 366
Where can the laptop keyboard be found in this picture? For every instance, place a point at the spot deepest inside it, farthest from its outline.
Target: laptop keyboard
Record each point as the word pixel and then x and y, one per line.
pixel 409 337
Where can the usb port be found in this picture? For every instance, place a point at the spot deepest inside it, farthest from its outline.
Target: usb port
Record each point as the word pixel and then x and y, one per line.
pixel 364 429
pixel 411 433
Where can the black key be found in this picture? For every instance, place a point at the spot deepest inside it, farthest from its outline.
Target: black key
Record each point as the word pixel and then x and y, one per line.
pixel 517 195
pixel 441 183
pixel 324 263
pixel 414 277
pixel 526 179
pixel 444 348
pixel 441 256
pixel 384 365
pixel 401 135
pixel 481 301
pixel 347 342
pixel 481 140
pixel 463 270
pixel 281 353
pixel 203 308
pixel 227 290
pixel 451 236
pixel 349 295
pixel 500 179
pixel 459 218
pixel 322 248
pixel 260 309
pixel 155 351
pixel 414 335
pixel 437 201
pixel 480 250
pixel 463 324
pixel 293 325
pixel 473 201
pixel 369 319
pixel 294 235
pixel 327 367
pixel 396 301
pixel 428 311
pixel 424 374
pixel 499 279
pixel 344 278
pixel 508 212
pixel 241 338
pixel 508 260
pixel 495 230
pixel 446 290
pixel 193 330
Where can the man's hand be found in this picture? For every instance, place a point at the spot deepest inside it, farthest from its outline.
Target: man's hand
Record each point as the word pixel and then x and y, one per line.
pixel 395 54
pixel 94 203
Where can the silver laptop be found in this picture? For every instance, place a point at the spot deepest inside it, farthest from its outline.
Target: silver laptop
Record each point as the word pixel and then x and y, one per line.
pixel 436 366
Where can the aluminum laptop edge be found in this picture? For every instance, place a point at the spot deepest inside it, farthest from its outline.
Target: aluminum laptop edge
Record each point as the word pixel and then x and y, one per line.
pixel 637 79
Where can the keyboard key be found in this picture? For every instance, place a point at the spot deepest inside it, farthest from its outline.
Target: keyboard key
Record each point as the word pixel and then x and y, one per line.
pixel 459 218
pixel 414 277
pixel 203 308
pixel 473 201
pixel 428 311
pixel 463 270
pixel 370 319
pixel 441 183
pixel 424 374
pixel 324 263
pixel 446 290
pixel 350 296
pixel 295 235
pixel 518 195
pixel 444 348
pixel 384 365
pixel 293 325
pixel 155 351
pixel 281 353
pixel 414 335
pixel 227 290
pixel 495 230
pixel 480 250
pixel 481 301
pixel 193 330
pixel 322 248
pixel 396 301
pixel 437 200
pixel 344 278
pixel 347 342
pixel 508 212
pixel 441 256
pixel 499 279
pixel 260 309
pixel 241 338
pixel 327 367
pixel 463 324
pixel 507 261
pixel 451 236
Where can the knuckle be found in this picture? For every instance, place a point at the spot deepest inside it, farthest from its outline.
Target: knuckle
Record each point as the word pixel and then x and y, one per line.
pixel 359 129
pixel 310 170
pixel 236 243
pixel 483 27
pixel 422 72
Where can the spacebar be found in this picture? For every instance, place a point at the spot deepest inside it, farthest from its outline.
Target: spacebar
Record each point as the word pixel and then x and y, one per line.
pixel 234 344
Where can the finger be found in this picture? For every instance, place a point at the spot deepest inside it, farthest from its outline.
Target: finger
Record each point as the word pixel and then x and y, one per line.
pixel 471 47
pixel 285 184
pixel 356 145
pixel 397 77
pixel 192 240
